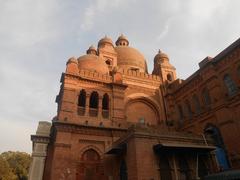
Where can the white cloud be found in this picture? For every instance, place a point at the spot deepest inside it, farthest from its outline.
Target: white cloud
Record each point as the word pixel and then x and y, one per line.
pixel 91 13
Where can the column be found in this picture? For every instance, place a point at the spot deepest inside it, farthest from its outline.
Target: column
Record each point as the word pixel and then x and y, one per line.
pixel 39 152
pixel 87 104
pixel 100 106
pixel 175 167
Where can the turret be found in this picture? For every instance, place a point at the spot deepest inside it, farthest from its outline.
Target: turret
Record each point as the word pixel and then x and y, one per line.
pixel 163 68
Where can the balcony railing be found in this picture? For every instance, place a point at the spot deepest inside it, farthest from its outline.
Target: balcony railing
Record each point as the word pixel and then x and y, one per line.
pixel 81 111
pixel 93 112
pixel 105 114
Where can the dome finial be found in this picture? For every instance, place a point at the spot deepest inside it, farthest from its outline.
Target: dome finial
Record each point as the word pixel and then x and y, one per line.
pixel 159 51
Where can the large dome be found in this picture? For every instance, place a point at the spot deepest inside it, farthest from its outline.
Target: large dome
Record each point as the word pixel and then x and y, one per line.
pixel 93 63
pixel 130 58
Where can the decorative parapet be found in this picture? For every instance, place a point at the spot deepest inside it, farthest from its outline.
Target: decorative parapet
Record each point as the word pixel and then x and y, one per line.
pixel 39 151
pixel 138 74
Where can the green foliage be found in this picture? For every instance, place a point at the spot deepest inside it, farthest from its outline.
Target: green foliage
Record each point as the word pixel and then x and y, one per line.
pixel 14 165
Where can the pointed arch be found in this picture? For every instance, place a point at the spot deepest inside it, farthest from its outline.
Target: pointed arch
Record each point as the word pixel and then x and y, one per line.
pixel 90 147
pixel 146 107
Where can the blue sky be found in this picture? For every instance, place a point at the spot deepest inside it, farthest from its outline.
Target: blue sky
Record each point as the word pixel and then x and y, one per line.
pixel 37 37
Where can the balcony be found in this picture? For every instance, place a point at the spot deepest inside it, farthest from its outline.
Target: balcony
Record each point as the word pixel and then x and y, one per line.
pixel 81 111
pixel 105 114
pixel 93 112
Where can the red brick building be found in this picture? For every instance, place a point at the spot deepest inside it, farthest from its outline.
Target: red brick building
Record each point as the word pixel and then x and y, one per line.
pixel 117 121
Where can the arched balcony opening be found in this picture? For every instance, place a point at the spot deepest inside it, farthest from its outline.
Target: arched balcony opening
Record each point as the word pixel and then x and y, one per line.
pixel 93 104
pixel 105 106
pixel 82 102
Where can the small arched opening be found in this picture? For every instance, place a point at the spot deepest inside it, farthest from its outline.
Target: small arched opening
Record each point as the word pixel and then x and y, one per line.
pixel 105 106
pixel 81 102
pixel 169 77
pixel 93 110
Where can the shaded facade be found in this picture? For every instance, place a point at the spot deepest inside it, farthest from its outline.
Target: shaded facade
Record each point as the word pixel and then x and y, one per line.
pixel 117 121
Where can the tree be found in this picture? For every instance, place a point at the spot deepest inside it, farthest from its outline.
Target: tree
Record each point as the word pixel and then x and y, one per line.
pixel 5 170
pixel 18 162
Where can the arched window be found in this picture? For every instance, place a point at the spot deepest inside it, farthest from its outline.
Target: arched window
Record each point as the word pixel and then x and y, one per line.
pixel 169 77
pixel 180 112
pixel 221 154
pixel 105 102
pixel 230 84
pixel 206 97
pixel 90 166
pixel 81 102
pixel 82 98
pixel 188 109
pixel 196 104
pixel 105 106
pixel 94 100
pixel 93 111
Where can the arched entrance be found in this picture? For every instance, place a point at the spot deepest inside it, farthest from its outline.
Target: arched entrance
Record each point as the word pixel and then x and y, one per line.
pixel 221 154
pixel 90 167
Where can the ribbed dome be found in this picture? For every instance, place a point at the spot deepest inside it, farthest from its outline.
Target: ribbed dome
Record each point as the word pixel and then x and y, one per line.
pixel 93 63
pixel 130 58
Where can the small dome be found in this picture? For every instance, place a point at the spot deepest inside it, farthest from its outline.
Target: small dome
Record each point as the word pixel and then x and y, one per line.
pixel 161 55
pixel 105 40
pixel 122 41
pixel 130 58
pixel 92 50
pixel 94 63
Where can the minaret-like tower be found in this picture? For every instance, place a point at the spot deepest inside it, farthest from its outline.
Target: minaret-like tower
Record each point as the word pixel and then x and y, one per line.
pixel 107 52
pixel 163 68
